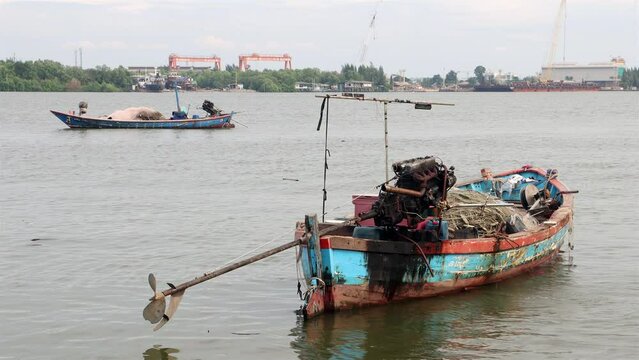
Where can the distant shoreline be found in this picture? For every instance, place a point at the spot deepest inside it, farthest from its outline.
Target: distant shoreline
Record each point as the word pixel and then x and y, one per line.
pixel 51 76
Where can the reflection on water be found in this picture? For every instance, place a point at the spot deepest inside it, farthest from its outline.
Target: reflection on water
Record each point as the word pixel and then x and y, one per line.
pixel 465 325
pixel 160 353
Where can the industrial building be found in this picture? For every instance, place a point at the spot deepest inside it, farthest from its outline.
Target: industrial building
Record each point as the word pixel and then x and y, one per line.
pixel 307 87
pixel 358 85
pixel 605 74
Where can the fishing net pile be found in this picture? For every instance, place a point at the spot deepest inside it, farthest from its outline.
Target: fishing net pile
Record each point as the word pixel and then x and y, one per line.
pixel 136 113
pixel 487 220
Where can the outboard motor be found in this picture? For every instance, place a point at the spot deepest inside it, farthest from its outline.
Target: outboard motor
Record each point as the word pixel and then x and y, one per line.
pixel 210 108
pixel 83 106
pixel 421 184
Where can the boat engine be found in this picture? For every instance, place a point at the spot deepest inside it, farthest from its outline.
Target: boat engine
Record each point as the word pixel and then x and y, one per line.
pixel 83 106
pixel 210 108
pixel 421 184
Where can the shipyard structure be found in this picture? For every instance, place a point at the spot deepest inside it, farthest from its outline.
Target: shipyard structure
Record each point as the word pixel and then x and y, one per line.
pixel 602 74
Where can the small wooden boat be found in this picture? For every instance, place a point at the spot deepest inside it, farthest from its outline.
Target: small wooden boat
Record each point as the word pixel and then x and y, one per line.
pixel 349 266
pixel 146 118
pixel 408 241
pixel 399 244
pixel 221 121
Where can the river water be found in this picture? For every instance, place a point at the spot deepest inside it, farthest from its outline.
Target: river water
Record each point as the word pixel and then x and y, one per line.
pixel 87 214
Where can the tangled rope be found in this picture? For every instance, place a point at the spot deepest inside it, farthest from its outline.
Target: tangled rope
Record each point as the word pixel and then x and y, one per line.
pixel 487 220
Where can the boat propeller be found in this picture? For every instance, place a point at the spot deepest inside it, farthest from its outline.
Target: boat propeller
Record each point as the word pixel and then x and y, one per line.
pixel 156 312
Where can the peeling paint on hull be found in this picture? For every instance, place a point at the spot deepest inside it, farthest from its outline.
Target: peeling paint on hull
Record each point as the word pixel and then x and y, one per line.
pixel 452 273
pixel 360 272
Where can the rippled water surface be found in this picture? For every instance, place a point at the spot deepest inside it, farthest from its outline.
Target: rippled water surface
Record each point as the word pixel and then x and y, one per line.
pixel 87 214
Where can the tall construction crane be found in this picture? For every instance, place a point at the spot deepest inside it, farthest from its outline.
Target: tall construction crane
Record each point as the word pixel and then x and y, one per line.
pixel 370 35
pixel 546 72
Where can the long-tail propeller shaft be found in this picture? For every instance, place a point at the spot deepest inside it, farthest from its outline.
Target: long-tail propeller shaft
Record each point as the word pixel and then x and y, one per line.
pixel 156 311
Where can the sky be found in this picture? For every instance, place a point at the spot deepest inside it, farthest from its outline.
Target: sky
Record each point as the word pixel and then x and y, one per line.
pixel 422 37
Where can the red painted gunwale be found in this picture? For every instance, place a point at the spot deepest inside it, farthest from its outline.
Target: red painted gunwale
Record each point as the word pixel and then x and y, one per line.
pixel 560 218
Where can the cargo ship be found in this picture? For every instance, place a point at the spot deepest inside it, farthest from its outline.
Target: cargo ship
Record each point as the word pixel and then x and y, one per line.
pixel 524 86
pixel 493 88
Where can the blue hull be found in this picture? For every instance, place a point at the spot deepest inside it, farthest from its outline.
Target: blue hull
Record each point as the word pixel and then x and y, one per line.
pixel 81 122
pixel 364 268
pixel 345 272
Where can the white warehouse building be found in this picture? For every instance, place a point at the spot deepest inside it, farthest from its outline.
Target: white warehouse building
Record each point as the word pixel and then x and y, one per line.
pixel 603 74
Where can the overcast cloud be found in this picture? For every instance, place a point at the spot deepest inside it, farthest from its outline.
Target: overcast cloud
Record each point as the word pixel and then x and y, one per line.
pixel 423 37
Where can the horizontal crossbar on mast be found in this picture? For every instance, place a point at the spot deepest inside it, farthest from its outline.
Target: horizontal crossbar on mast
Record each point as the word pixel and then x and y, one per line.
pixel 419 105
pixel 385 101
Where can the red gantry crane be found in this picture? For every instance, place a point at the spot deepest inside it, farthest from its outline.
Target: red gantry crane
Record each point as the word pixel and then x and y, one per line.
pixel 244 59
pixel 174 58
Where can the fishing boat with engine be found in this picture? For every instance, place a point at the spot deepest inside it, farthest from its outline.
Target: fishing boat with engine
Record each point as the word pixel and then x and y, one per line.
pixel 425 235
pixel 147 118
pixel 422 236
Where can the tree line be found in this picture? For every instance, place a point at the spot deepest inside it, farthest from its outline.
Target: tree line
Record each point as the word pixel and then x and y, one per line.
pixel 450 78
pixel 47 75
pixel 480 78
pixel 630 78
pixel 284 80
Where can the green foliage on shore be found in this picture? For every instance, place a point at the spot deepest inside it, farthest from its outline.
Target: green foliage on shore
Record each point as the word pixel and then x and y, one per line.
pixel 630 78
pixel 432 82
pixel 47 75
pixel 480 70
pixel 284 80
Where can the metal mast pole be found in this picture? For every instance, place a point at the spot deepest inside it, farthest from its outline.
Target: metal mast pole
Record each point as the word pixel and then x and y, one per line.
pixel 326 152
pixel 386 137
pixel 420 105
